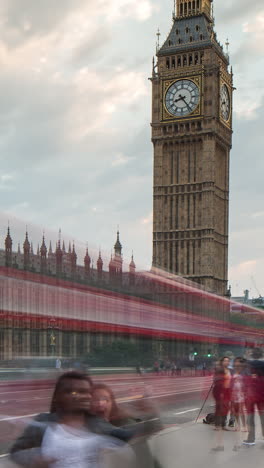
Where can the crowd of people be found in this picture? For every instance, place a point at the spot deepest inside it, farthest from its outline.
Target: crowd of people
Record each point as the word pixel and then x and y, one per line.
pixel 238 390
pixel 86 428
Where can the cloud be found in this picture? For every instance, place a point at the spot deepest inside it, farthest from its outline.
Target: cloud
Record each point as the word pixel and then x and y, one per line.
pixel 258 214
pixel 251 45
pixel 234 10
pixel 244 268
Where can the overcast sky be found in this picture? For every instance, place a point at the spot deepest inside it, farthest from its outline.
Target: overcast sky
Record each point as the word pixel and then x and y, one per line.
pixel 75 106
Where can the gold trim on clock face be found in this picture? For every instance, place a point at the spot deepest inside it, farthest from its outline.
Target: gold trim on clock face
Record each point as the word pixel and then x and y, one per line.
pixel 182 98
pixel 225 103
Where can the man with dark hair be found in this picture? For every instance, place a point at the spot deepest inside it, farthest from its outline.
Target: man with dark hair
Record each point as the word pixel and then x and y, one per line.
pixel 70 408
pixel 255 394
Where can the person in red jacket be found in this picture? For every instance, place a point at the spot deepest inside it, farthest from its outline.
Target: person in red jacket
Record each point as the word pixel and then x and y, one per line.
pixel 255 394
pixel 222 396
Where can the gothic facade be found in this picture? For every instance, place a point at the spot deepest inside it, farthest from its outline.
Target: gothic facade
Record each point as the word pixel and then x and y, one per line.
pixel 62 263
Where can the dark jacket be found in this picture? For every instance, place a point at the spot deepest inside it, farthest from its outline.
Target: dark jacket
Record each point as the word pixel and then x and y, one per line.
pixel 255 382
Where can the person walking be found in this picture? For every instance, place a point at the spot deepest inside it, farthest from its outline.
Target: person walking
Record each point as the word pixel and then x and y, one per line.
pixel 255 395
pixel 238 397
pixel 222 396
pixel 68 435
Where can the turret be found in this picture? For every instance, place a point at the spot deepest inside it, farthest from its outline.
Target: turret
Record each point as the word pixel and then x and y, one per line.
pixel 115 266
pixel 73 260
pixel 26 248
pixel 99 267
pixel 118 246
pixel 50 250
pixel 87 265
pixel 132 271
pixel 43 256
pixel 59 255
pixel 8 249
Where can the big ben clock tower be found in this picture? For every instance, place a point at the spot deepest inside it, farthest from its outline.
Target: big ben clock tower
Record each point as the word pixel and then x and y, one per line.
pixel 192 136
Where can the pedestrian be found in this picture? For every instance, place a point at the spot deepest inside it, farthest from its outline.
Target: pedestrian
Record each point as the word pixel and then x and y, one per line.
pixel 255 394
pixel 125 425
pixel 68 435
pixel 58 364
pixel 173 369
pixel 238 397
pixel 222 396
pixel 156 367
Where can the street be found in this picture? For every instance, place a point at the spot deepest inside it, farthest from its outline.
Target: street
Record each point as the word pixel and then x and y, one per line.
pixel 179 399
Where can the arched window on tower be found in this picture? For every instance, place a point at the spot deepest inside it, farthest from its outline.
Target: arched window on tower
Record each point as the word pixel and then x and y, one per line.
pixel 193 5
pixel 184 60
pixel 190 8
pixel 167 63
pixel 191 38
pixel 196 59
pixel 198 4
pixel 181 9
pixel 173 62
pixel 185 8
pixel 190 59
pixel 179 61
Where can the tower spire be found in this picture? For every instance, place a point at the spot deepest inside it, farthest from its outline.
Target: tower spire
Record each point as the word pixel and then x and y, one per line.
pixel 158 40
pixel 8 248
pixel 118 245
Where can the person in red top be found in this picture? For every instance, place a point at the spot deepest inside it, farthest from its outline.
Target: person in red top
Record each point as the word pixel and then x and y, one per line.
pixel 222 396
pixel 255 394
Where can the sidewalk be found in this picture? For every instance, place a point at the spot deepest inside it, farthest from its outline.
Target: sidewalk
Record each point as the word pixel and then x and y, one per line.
pixel 189 446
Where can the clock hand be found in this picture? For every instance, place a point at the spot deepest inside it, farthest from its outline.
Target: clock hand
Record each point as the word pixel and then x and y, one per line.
pixel 180 98
pixel 184 100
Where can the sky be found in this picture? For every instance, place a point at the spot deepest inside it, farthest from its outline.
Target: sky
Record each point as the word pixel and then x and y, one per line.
pixel 75 111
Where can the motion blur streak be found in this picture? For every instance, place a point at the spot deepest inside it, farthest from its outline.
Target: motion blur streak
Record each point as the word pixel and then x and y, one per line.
pixel 154 345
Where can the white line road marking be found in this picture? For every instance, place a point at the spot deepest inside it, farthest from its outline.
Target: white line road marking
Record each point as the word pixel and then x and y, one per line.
pixel 26 391
pixel 11 418
pixel 186 411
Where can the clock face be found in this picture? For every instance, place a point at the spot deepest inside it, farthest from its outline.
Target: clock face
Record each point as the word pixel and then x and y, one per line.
pixel 225 103
pixel 182 98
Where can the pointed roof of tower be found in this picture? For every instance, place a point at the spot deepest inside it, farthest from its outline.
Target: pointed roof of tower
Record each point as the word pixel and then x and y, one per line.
pixel 100 261
pixel 18 248
pixel 31 248
pixel 50 248
pixel 118 245
pixel 58 247
pixel 26 244
pixel 191 29
pixel 43 248
pixel 70 249
pixel 74 254
pixel 63 247
pixel 132 263
pixel 8 239
pixel 87 258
